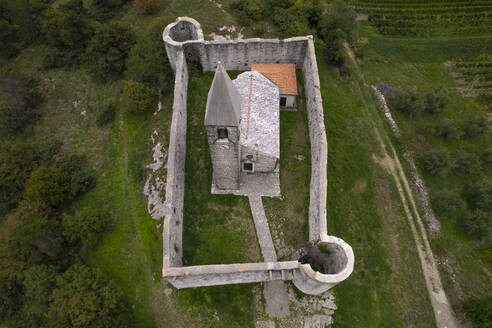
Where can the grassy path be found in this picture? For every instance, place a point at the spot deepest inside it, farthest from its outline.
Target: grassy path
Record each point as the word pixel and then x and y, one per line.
pixel 124 254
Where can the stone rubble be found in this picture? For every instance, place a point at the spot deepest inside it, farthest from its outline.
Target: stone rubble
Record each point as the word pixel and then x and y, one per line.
pixel 154 185
pixel 433 223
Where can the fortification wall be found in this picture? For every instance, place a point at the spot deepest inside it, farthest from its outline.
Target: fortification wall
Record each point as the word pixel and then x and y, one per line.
pixel 318 143
pixel 222 274
pixel 239 55
pixel 173 220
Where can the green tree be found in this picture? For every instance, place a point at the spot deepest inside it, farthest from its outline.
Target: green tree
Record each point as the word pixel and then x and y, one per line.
pixel 476 127
pixel 434 161
pixel 104 9
pixel 18 98
pixel 480 195
pixel 466 163
pixel 68 30
pixel 138 97
pixel 75 167
pixel 84 297
pixel 448 202
pixel 336 25
pixel 480 312
pixel 86 225
pixel 26 16
pixel 17 160
pixel 107 51
pixel 448 129
pixel 147 63
pixel 9 31
pixel 148 7
pixel 410 103
pixel 478 224
pixel 435 101
pixel 38 284
pixel 48 185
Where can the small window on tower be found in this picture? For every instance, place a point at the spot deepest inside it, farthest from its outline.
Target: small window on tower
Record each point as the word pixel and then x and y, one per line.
pixel 222 133
pixel 248 167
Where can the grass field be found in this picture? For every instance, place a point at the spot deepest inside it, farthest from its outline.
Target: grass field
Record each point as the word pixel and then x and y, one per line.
pixel 387 287
pixel 421 64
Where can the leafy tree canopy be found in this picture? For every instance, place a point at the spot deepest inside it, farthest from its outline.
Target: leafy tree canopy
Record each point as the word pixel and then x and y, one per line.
pixel 147 63
pixel 48 185
pixel 84 297
pixel 107 51
pixel 86 225
pixel 138 97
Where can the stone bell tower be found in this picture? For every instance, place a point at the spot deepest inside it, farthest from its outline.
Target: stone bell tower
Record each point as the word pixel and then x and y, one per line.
pixel 222 119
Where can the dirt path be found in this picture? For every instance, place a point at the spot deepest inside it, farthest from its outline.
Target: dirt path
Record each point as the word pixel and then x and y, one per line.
pixel 443 312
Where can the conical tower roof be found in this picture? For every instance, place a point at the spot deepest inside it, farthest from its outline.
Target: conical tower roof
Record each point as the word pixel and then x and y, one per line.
pixel 223 102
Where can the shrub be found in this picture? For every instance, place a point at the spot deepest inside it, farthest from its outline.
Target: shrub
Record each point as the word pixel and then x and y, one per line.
pixel 104 9
pixel 86 225
pixel 148 7
pixel 157 26
pixel 480 312
pixel 75 167
pixel 38 283
pixel 17 160
pixel 480 195
pixel 138 97
pixel 475 127
pixel 435 101
pixel 48 185
pixel 435 161
pixel 487 156
pixel 84 297
pixel 68 30
pixel 106 115
pixel 336 25
pixel 448 129
pixel 147 63
pixel 9 32
pixel 447 202
pixel 107 51
pixel 478 224
pixel 18 98
pixel 409 103
pixel 465 163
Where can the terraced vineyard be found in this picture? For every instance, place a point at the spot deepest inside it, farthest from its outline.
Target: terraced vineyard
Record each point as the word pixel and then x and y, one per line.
pixel 475 77
pixel 427 18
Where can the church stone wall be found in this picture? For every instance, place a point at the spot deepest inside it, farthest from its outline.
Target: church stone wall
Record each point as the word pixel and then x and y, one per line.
pixel 263 163
pixel 225 157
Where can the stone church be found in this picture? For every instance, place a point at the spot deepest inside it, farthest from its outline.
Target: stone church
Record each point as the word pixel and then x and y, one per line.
pixel 242 120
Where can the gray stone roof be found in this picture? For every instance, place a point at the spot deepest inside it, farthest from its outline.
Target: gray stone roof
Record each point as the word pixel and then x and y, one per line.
pixel 223 102
pixel 262 133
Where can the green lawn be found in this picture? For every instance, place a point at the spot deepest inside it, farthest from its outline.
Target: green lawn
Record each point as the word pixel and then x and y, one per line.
pixel 288 216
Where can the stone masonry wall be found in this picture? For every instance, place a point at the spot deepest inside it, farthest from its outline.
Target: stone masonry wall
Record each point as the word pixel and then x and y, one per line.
pixel 240 54
pixel 173 220
pixel 225 157
pixel 318 143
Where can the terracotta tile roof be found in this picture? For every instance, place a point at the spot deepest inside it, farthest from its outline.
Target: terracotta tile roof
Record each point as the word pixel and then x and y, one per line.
pixel 283 75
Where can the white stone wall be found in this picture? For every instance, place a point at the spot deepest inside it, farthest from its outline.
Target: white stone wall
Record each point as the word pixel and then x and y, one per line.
pixel 173 220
